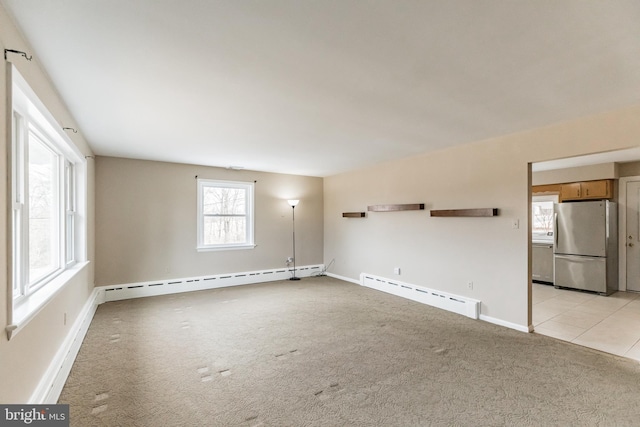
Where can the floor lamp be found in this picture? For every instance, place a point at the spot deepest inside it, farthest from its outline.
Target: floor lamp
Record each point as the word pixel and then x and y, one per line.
pixel 293 204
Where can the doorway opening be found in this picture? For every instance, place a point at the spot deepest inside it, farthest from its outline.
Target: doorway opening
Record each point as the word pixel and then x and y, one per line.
pixel 607 323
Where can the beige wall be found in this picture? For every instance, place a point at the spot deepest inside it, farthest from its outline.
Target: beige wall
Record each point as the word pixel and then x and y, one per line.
pixel 25 358
pixel 446 253
pixel 629 169
pixel 580 173
pixel 146 216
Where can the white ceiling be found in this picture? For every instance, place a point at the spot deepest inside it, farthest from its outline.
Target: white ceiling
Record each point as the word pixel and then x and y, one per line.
pixel 320 87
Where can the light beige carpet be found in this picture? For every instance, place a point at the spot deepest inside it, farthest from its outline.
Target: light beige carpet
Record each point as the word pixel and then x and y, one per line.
pixel 322 352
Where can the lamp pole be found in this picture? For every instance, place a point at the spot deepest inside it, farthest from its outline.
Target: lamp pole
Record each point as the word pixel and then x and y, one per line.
pixel 293 204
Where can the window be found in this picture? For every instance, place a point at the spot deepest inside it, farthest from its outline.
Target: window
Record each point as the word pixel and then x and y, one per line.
pixel 42 208
pixel 225 215
pixel 46 172
pixel 542 213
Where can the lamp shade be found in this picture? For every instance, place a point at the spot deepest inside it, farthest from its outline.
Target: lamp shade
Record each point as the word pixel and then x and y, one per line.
pixel 293 203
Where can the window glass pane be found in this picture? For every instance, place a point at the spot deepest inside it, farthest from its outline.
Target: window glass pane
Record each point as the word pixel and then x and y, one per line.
pixel 224 201
pixel 220 230
pixel 17 250
pixel 43 208
pixel 70 237
pixel 70 205
pixel 17 196
pixel 542 224
pixel 69 187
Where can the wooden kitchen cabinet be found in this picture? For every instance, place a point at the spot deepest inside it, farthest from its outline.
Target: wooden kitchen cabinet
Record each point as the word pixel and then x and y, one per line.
pixel 570 191
pixel 601 189
pixel 597 189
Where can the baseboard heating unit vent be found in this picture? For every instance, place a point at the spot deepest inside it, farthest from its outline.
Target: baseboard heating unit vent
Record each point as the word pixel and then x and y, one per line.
pixel 462 305
pixel 174 286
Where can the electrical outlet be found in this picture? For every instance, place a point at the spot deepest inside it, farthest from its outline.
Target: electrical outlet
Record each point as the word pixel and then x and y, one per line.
pixel 289 259
pixel 515 223
pixel 396 270
pixel 470 285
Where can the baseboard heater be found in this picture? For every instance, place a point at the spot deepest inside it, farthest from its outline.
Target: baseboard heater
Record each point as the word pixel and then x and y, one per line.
pixel 462 305
pixel 174 286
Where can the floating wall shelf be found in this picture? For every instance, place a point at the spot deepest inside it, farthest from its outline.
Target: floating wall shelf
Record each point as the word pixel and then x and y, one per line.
pixel 466 212
pixel 391 208
pixel 353 214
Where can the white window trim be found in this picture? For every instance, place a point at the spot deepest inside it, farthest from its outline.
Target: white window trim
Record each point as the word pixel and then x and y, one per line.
pixel 543 198
pixel 546 198
pixel 249 186
pixel 42 136
pixel 25 103
pixel 31 306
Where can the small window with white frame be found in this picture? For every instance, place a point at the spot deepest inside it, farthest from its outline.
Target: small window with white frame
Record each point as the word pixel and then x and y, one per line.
pixel 46 172
pixel 542 217
pixel 225 215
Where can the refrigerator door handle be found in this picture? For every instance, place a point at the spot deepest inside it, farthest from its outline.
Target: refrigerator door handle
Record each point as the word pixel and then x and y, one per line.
pixel 555 230
pixel 581 257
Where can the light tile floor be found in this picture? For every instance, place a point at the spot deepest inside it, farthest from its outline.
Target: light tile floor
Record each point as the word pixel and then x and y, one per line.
pixel 610 324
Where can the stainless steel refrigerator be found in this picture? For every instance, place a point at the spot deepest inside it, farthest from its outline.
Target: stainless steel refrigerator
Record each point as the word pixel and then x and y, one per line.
pixel 586 246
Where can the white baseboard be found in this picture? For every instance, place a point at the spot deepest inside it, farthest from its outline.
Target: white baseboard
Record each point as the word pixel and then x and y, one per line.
pixel 52 382
pixel 455 303
pixel 506 324
pixel 200 283
pixel 344 278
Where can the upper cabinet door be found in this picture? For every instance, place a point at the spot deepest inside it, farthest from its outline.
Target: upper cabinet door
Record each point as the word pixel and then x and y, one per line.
pixel 570 191
pixel 596 189
pixel 601 189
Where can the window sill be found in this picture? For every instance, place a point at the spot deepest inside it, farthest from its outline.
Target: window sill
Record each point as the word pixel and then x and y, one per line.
pixel 31 306
pixel 224 248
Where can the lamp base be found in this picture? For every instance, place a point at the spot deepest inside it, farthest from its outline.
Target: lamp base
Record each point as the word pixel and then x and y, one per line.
pixel 294 278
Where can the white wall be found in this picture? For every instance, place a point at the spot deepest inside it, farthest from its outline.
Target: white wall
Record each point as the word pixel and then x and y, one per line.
pixel 25 358
pixel 446 253
pixel 580 173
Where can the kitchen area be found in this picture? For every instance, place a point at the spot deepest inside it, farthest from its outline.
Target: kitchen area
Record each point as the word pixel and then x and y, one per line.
pixel 575 260
pixel 575 237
